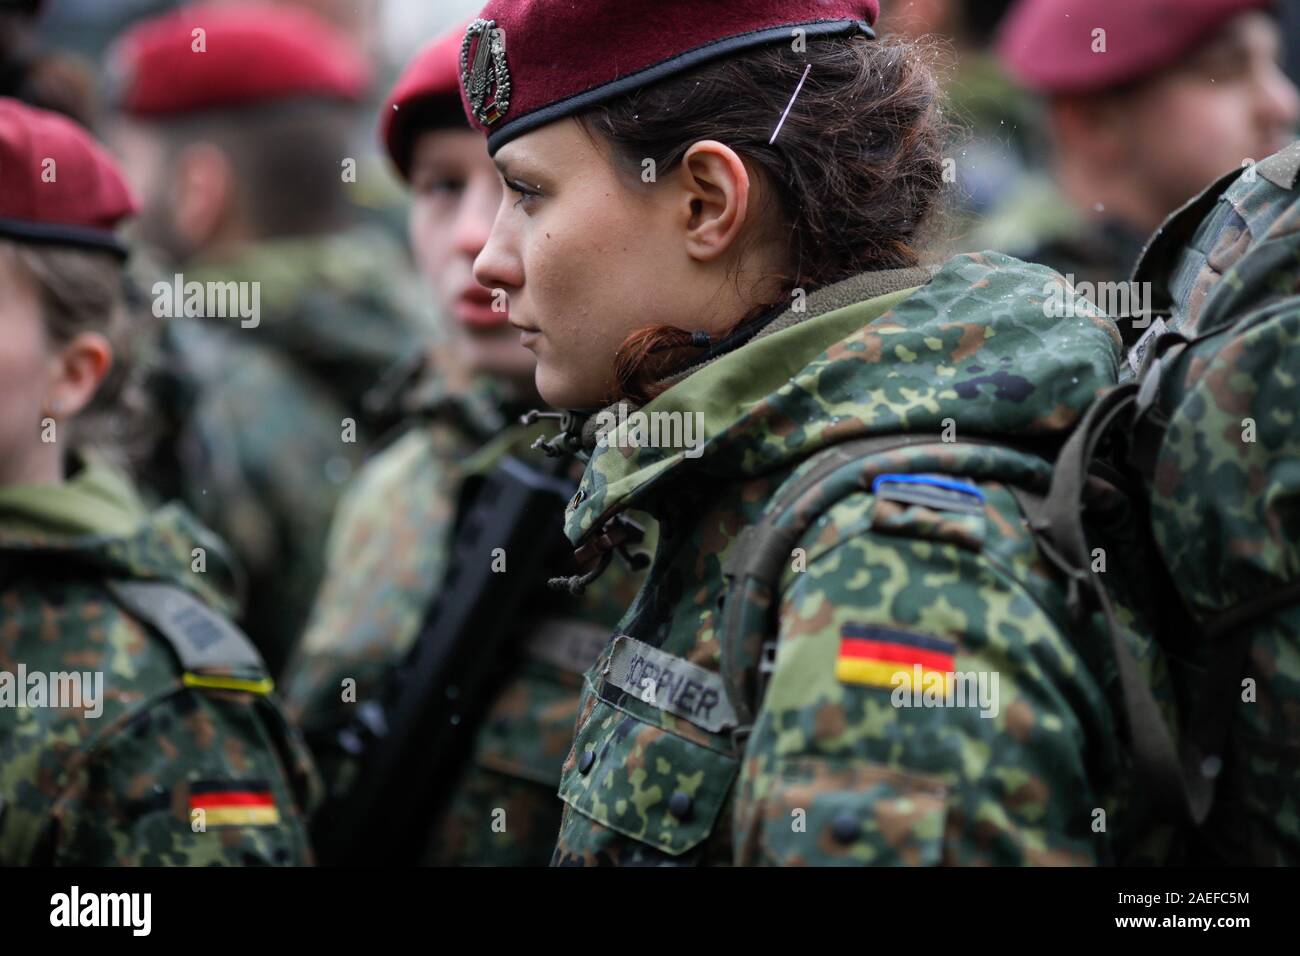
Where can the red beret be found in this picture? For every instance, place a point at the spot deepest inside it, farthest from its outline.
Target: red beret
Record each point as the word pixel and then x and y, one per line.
pixel 548 59
pixel 247 53
pixel 1047 45
pixel 426 96
pixel 57 185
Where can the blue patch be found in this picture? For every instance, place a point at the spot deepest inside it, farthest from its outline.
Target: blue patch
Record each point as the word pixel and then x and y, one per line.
pixel 929 491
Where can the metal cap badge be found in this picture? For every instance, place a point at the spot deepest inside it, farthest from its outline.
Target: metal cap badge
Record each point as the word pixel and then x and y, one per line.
pixel 487 79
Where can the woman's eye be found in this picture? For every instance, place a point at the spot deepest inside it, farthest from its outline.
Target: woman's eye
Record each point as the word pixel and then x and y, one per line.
pixel 521 190
pixel 440 186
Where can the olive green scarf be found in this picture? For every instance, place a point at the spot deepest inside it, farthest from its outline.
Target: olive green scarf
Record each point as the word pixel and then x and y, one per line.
pixel 95 500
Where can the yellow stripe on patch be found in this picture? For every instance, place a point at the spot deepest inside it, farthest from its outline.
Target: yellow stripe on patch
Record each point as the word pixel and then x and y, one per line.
pixel 878 673
pixel 241 816
pixel 262 686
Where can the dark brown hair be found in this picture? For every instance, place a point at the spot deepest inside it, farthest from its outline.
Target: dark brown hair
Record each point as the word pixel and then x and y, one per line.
pixel 286 156
pixel 857 169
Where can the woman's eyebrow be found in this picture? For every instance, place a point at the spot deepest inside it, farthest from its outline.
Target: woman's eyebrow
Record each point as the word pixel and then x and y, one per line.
pixel 516 168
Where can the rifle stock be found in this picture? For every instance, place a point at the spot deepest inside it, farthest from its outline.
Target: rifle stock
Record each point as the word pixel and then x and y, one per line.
pixel 411 747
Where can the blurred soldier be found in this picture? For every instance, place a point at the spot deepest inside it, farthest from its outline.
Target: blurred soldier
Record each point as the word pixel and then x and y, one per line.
pixel 390 541
pixel 1147 103
pixel 998 120
pixel 135 726
pixel 35 75
pixel 1218 451
pixel 280 316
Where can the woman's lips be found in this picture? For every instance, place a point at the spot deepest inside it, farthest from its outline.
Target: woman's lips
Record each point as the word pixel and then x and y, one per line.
pixel 527 334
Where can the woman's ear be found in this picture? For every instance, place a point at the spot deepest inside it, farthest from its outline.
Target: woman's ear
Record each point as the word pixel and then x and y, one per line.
pixel 79 369
pixel 717 195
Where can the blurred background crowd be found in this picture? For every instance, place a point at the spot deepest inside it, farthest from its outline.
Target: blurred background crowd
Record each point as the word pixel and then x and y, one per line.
pixel 1030 148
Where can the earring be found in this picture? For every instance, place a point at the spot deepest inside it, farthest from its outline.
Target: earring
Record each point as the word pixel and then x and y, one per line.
pixel 53 408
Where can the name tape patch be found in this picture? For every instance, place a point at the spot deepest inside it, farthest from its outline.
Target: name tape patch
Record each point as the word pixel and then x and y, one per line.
pixel 671 684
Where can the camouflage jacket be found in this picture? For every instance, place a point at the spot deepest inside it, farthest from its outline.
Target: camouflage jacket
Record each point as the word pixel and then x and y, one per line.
pixel 1223 482
pixel 835 768
pixel 265 424
pixel 388 553
pixel 156 752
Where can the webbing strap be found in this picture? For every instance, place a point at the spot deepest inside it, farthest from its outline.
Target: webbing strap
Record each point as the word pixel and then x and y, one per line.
pixel 202 639
pixel 1172 784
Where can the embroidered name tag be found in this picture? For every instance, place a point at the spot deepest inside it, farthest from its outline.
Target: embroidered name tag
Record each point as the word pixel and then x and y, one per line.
pixel 671 684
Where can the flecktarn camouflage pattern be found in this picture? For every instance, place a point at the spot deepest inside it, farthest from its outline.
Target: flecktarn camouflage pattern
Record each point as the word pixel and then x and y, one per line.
pixel 136 726
pixel 931 572
pixel 265 424
pixel 1218 443
pixel 388 552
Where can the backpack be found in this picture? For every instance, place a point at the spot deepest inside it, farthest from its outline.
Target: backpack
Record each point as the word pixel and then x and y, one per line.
pixel 757 564
pixel 1226 770
pixel 1206 431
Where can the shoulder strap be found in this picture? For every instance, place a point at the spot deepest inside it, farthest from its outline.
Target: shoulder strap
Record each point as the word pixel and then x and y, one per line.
pixel 754 566
pixel 213 652
pixel 1174 780
pixel 1166 244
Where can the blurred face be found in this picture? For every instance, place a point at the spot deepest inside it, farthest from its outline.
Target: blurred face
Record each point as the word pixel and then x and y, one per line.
pixel 589 254
pixel 456 192
pixel 41 378
pixel 143 161
pixel 1227 103
pixel 26 366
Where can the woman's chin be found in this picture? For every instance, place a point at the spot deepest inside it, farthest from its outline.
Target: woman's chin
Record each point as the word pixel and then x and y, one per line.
pixel 559 390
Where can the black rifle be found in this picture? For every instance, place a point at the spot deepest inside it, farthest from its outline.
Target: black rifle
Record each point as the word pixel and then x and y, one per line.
pixel 411 747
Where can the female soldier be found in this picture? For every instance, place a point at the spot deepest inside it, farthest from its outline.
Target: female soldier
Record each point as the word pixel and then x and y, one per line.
pixel 712 213
pixel 391 540
pixel 134 722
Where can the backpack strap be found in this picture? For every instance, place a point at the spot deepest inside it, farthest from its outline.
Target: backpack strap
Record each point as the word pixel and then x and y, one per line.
pixel 753 569
pixel 1158 260
pixel 1175 781
pixel 214 654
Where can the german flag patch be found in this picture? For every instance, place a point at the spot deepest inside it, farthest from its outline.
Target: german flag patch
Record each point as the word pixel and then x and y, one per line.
pixel 873 655
pixel 234 803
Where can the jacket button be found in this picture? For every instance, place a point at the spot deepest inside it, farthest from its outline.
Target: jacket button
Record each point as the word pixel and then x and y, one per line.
pixel 844 828
pixel 679 805
pixel 586 760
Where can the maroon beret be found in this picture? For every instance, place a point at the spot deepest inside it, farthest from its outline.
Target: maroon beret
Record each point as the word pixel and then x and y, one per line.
pixel 57 185
pixel 247 53
pixel 528 63
pixel 1047 45
pixel 426 96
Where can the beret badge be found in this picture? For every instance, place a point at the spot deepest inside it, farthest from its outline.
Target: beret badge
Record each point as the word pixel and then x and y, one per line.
pixel 487 78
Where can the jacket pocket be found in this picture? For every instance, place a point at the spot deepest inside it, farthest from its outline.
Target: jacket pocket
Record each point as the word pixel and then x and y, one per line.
pixel 643 782
pixel 820 812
